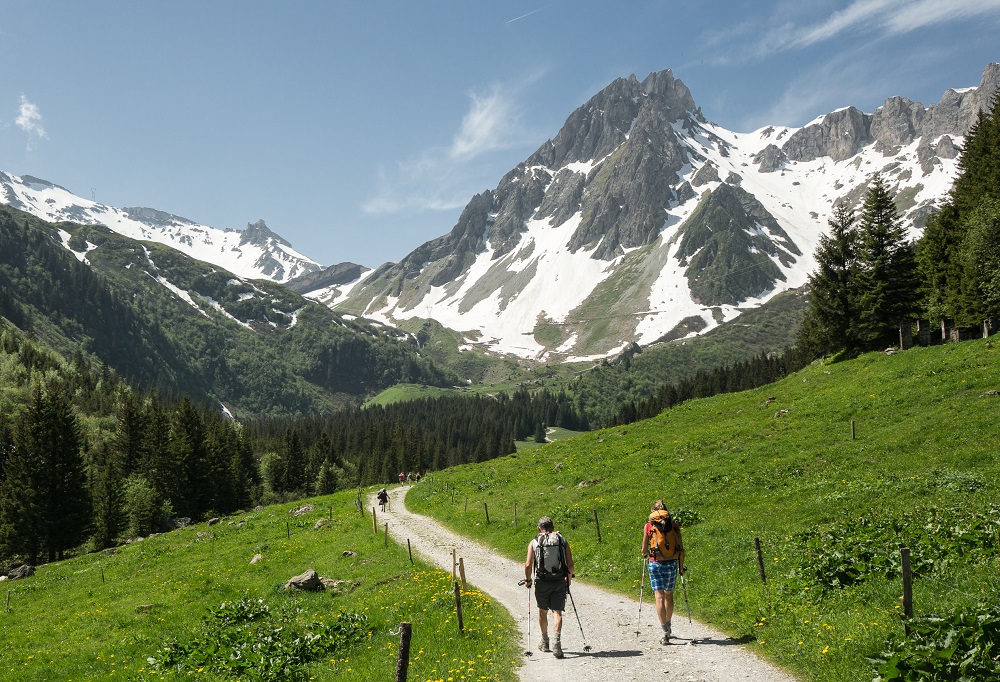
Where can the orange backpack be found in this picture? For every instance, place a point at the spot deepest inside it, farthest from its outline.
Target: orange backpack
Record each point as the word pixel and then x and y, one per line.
pixel 665 536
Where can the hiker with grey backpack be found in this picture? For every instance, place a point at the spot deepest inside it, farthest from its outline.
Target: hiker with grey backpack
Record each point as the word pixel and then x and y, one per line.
pixel 549 567
pixel 662 546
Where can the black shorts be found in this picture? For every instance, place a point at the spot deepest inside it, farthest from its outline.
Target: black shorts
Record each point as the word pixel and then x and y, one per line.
pixel 551 594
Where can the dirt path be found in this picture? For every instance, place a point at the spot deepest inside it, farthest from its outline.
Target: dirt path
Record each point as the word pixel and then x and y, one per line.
pixel 608 620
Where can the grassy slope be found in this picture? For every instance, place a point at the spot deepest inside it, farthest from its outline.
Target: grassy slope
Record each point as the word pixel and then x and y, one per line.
pixel 925 430
pixel 99 617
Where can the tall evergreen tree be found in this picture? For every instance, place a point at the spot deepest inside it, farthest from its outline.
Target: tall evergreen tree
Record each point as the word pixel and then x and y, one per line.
pixel 981 251
pixel 832 316
pixel 951 290
pixel 886 277
pixel 190 459
pixel 294 462
pixel 45 503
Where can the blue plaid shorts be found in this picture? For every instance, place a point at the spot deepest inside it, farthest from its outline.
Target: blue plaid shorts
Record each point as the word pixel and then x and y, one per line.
pixel 663 575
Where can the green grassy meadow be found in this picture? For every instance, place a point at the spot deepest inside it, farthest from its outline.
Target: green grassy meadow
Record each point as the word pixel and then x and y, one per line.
pixel 780 463
pixel 193 592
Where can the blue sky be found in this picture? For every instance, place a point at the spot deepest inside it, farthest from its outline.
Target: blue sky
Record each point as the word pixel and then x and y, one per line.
pixel 359 130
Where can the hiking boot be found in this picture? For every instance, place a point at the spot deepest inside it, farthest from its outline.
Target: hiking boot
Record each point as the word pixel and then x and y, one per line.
pixel 666 634
pixel 557 649
pixel 544 645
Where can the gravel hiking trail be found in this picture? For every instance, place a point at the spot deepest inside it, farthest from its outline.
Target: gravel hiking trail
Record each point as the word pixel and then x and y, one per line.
pixel 697 653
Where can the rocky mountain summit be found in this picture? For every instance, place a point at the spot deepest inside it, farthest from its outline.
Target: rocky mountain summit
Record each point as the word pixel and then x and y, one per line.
pixel 641 216
pixel 255 253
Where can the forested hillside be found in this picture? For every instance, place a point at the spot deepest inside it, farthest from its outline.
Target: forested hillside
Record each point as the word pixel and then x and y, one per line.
pixel 88 460
pixel 163 320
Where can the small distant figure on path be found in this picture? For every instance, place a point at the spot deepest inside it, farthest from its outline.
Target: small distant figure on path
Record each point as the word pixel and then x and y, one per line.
pixel 661 543
pixel 549 565
pixel 383 498
pixel 416 477
pixel 402 478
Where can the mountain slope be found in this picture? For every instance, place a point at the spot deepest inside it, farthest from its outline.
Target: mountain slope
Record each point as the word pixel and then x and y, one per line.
pixel 163 319
pixel 256 252
pixel 640 214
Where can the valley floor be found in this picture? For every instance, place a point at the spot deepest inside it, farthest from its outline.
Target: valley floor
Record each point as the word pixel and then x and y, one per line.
pixel 608 620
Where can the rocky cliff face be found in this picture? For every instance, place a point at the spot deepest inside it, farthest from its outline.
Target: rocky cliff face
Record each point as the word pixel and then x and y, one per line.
pixel 640 216
pixel 896 124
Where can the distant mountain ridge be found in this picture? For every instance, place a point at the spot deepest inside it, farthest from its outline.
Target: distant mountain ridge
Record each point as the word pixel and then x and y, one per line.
pixel 639 221
pixel 641 217
pixel 255 252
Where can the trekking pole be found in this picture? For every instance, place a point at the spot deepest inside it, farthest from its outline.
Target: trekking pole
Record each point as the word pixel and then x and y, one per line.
pixel 642 584
pixel 583 636
pixel 684 584
pixel 527 652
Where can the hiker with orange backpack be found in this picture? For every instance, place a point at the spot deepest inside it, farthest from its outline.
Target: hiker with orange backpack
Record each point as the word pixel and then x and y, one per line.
pixel 661 544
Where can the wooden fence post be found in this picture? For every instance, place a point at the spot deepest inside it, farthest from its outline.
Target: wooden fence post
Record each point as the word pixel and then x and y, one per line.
pixel 852 430
pixel 403 657
pixel 487 510
pixel 466 503
pixel 8 600
pixel 597 525
pixel 461 571
pixel 374 522
pixel 409 550
pixel 904 556
pixel 458 607
pixel 760 560
pixel 515 513
pixel 760 567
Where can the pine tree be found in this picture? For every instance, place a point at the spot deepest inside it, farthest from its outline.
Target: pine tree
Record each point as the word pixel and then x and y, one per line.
pixel 189 458
pixel 832 315
pixel 951 289
pixel 293 460
pixel 44 501
pixel 981 255
pixel 886 279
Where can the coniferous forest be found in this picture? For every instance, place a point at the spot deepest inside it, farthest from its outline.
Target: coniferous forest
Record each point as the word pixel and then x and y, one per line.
pixel 86 460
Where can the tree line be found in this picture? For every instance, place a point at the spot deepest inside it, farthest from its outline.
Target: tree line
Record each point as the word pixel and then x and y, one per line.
pixel 871 278
pixel 86 460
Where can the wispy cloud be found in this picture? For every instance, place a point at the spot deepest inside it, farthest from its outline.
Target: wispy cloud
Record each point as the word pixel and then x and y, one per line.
pixel 879 17
pixel 444 178
pixel 29 119
pixel 491 123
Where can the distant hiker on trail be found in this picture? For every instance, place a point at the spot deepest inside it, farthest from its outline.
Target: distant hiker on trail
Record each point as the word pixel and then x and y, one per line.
pixel 549 565
pixel 661 542
pixel 402 478
pixel 383 498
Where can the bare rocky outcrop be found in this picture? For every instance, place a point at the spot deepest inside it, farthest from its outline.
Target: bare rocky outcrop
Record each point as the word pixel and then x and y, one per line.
pixel 21 572
pixel 308 581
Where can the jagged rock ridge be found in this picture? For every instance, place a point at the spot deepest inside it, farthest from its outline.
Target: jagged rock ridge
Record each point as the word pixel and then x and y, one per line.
pixel 641 215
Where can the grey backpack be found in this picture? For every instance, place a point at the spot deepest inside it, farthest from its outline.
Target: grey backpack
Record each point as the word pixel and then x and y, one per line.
pixel 550 556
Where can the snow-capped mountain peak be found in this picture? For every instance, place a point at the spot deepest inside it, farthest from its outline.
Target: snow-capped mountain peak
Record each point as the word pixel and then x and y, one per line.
pixel 641 219
pixel 254 253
